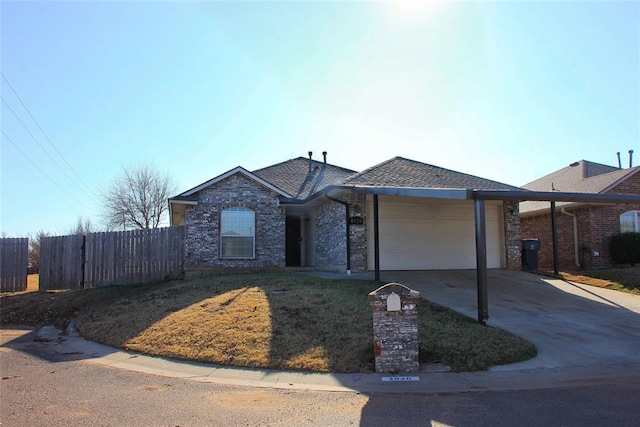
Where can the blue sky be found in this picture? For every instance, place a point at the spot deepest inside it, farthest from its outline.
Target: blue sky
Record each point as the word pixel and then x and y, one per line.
pixel 506 90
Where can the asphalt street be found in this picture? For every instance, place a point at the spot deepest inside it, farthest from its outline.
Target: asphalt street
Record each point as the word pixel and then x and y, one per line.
pixel 40 387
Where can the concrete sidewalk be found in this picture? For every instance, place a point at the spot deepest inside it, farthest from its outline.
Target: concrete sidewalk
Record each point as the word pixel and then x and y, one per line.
pixel 53 345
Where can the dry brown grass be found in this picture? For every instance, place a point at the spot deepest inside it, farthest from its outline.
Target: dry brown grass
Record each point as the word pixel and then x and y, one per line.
pixel 33 282
pixel 626 279
pixel 275 321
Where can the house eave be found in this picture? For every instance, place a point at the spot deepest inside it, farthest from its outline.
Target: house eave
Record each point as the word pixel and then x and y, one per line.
pixel 182 202
pixel 471 194
pixel 546 196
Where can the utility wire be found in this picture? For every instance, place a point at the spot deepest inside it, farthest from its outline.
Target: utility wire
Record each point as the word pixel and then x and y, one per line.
pixel 47 136
pixel 43 172
pixel 41 147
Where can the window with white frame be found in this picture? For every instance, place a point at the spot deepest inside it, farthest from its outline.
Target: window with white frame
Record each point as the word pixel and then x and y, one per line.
pixel 630 221
pixel 237 233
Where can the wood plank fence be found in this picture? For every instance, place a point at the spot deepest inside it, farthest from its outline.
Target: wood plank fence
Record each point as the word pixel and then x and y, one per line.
pixel 61 262
pixel 14 261
pixel 102 259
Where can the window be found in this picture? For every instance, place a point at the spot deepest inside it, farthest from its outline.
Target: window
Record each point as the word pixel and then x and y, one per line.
pixel 630 221
pixel 237 236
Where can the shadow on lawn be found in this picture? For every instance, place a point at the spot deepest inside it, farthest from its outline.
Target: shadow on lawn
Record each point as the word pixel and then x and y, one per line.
pixel 289 321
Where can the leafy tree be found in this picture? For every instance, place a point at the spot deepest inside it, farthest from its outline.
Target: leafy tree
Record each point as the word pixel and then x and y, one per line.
pixel 137 198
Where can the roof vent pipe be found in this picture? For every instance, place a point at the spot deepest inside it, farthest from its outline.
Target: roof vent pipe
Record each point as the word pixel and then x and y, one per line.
pixel 630 158
pixel 310 154
pixel 619 163
pixel 324 154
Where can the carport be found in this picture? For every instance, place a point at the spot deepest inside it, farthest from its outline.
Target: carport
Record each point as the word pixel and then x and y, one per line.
pixel 480 199
pixel 481 196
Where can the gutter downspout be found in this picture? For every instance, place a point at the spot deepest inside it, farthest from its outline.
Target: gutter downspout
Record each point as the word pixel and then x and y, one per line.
pixel 575 236
pixel 348 229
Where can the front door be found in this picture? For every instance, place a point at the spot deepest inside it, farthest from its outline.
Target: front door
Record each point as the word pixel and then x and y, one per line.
pixel 293 241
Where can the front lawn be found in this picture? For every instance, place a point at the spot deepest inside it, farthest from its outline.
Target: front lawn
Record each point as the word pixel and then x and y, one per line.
pixel 626 279
pixel 275 321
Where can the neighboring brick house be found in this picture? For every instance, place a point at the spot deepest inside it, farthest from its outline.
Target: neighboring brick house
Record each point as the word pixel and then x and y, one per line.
pixel 584 230
pixel 307 213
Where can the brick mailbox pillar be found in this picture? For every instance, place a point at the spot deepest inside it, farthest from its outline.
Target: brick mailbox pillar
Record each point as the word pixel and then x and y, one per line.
pixel 395 328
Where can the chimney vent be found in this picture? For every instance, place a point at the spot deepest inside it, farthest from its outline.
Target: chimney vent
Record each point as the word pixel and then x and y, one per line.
pixel 324 154
pixel 310 154
pixel 630 158
pixel 619 162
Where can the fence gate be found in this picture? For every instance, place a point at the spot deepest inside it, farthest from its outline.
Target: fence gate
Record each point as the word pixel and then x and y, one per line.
pixel 14 261
pixel 61 262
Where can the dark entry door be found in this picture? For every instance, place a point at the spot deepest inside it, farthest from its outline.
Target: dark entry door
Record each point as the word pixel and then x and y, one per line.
pixel 294 240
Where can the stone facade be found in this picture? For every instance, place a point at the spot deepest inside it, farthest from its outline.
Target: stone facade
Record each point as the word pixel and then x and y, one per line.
pixel 357 231
pixel 331 242
pixel 395 328
pixel 511 221
pixel 326 243
pixel 330 223
pixel 202 223
pixel 596 225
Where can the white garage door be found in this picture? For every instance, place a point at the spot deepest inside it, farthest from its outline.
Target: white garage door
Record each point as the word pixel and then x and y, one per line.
pixel 428 234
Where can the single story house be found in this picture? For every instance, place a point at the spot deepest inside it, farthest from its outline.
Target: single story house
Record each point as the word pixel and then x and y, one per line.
pixel 583 228
pixel 400 214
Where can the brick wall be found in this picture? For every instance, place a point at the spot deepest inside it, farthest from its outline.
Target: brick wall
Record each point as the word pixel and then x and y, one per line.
pixel 539 227
pixel 596 225
pixel 202 224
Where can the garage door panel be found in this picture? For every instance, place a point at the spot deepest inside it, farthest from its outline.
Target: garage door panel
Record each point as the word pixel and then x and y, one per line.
pixel 426 234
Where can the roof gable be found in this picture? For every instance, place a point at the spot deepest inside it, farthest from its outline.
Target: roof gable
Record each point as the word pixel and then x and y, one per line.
pixel 579 177
pixel 401 172
pixel 187 194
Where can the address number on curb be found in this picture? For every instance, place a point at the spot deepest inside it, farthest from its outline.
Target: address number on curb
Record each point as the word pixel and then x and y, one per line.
pixel 400 379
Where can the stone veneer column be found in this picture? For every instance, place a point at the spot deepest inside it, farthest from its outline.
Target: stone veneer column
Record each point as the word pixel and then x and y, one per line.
pixel 395 328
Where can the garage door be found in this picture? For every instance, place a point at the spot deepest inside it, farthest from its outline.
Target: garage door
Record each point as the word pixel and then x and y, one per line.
pixel 428 234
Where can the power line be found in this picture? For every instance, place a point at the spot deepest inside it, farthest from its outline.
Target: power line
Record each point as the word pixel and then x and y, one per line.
pixel 42 148
pixel 40 145
pixel 47 137
pixel 43 172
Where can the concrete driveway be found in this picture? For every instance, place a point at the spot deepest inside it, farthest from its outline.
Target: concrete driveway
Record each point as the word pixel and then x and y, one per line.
pixel 571 324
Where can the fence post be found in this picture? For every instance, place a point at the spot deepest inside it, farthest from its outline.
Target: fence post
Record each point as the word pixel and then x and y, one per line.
pixel 84 260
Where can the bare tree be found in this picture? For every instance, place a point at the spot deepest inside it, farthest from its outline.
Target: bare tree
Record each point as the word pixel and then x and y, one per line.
pixel 83 227
pixel 137 199
pixel 34 249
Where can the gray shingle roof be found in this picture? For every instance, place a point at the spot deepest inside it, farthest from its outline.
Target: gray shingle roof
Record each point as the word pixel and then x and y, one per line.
pixel 296 178
pixel 293 176
pixel 578 177
pixel 401 172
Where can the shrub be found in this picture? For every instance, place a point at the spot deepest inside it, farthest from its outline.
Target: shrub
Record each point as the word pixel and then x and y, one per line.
pixel 625 248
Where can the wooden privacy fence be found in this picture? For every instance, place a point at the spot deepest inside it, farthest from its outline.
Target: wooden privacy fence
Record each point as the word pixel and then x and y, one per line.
pixel 102 259
pixel 14 261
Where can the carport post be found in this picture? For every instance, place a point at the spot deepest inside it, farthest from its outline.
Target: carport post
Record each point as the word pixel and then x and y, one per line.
pixel 376 238
pixel 554 233
pixel 481 260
